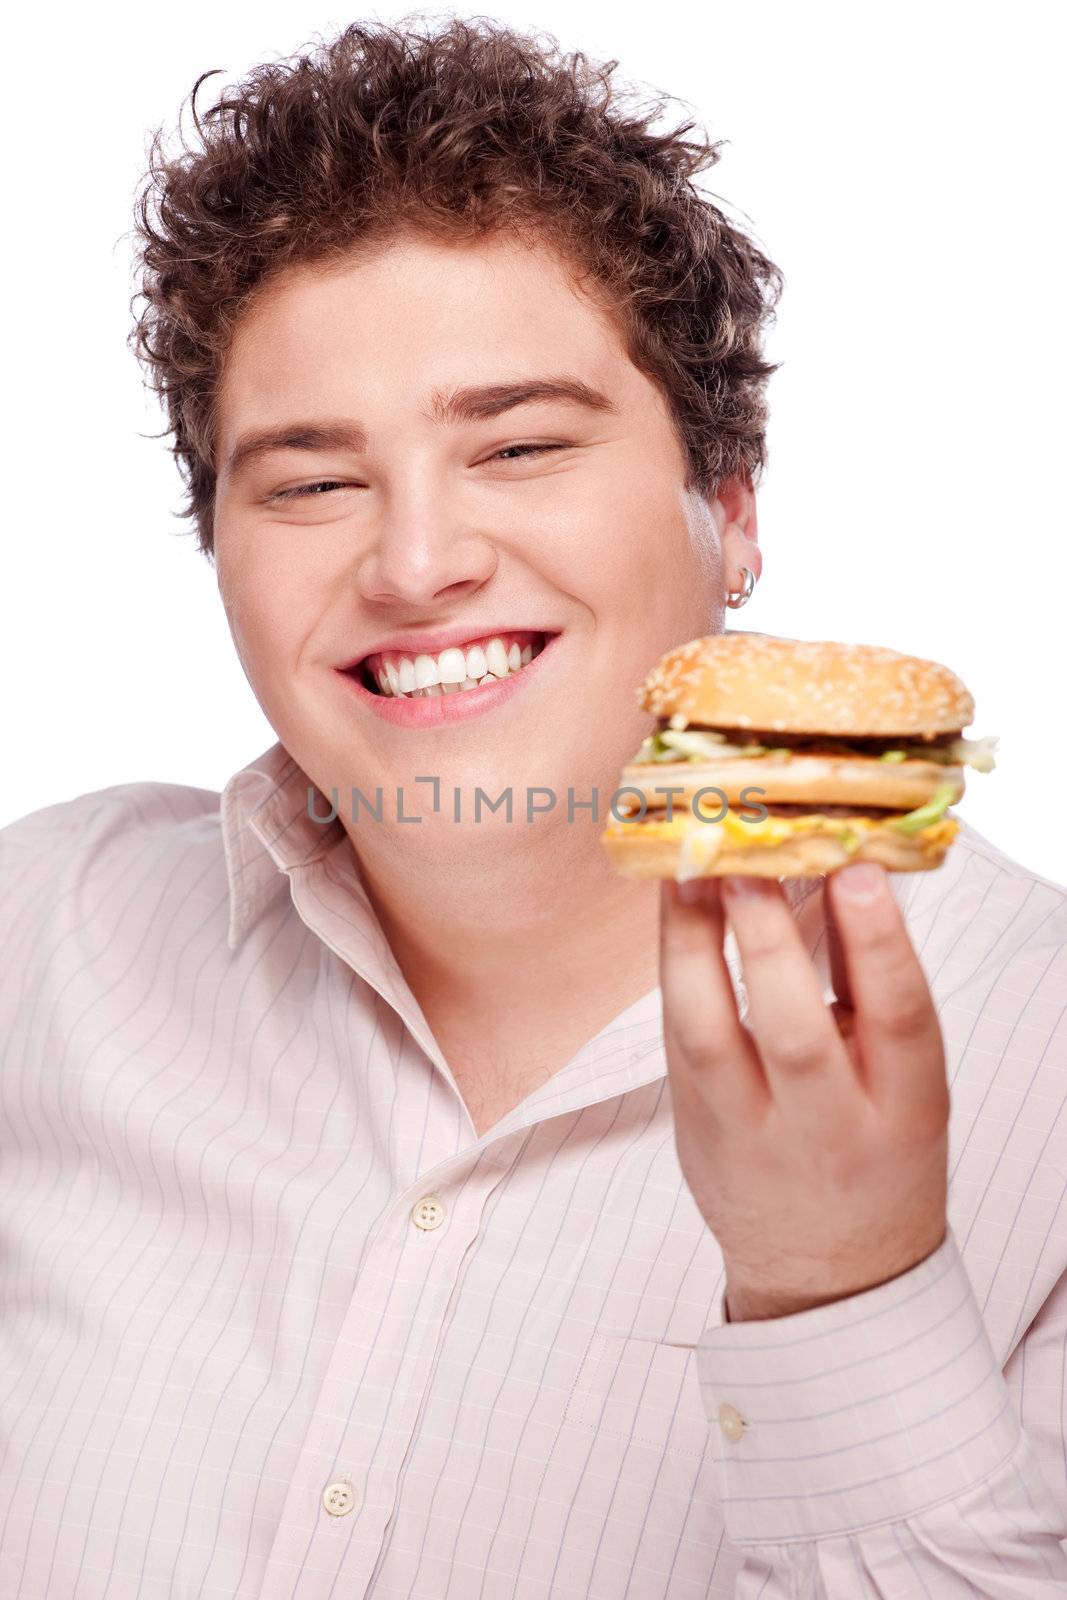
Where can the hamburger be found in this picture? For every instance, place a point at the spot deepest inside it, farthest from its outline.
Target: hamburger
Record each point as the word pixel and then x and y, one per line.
pixel 789 758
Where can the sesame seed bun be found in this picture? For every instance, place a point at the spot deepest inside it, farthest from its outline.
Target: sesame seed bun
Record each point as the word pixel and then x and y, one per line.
pixel 758 680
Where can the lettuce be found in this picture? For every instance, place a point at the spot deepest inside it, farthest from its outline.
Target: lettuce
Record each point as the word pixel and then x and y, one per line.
pixel 702 744
pixel 694 745
pixel 934 809
pixel 976 753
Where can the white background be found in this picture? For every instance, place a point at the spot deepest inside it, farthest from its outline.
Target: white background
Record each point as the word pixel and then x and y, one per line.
pixel 902 164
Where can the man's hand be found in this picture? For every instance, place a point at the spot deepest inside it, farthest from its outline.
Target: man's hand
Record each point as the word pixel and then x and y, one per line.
pixel 814 1139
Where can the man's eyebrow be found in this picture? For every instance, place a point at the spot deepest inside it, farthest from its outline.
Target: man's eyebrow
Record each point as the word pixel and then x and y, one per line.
pixel 478 403
pixel 475 403
pixel 293 436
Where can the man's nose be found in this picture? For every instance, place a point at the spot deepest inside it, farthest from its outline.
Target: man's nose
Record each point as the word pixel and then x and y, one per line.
pixel 420 555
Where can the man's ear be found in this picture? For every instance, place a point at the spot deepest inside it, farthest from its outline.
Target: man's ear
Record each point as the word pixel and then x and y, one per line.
pixel 735 503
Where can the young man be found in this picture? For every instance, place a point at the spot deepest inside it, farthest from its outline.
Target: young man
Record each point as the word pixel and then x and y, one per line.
pixel 397 1202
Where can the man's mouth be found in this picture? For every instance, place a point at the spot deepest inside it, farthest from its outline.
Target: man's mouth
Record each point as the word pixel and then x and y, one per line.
pixel 460 668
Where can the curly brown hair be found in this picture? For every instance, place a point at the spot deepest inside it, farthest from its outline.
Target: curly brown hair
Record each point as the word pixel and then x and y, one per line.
pixel 457 132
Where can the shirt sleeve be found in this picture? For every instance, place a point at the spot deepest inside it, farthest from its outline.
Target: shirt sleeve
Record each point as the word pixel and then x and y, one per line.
pixel 872 1447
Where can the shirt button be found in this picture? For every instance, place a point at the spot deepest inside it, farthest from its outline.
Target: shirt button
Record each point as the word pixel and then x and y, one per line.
pixel 731 1422
pixel 339 1498
pixel 428 1213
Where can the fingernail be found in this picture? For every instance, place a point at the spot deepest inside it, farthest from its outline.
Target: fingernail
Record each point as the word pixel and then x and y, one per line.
pixel 861 880
pixel 691 891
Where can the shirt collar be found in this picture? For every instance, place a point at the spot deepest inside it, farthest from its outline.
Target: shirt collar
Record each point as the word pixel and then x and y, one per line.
pixel 267 830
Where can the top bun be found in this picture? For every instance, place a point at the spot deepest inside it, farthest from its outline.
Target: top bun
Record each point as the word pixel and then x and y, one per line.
pixel 758 680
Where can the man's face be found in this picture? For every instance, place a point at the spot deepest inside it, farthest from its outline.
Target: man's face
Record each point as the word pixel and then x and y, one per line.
pixel 330 546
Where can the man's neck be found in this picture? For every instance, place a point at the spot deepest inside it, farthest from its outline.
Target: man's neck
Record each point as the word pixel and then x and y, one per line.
pixel 519 957
pixel 516 958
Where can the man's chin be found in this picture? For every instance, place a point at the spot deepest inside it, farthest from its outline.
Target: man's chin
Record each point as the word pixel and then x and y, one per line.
pixel 464 806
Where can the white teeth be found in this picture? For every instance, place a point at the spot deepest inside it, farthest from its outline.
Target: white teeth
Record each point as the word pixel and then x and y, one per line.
pixel 425 672
pixel 496 658
pixel 452 666
pixel 476 664
pixel 453 669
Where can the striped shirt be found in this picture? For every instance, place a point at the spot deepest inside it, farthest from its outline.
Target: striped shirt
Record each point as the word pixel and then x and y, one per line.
pixel 277 1323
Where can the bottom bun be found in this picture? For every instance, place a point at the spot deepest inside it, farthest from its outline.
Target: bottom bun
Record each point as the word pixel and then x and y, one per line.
pixel 639 854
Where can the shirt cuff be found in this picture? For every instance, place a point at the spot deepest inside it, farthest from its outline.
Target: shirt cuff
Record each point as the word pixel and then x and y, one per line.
pixel 864 1411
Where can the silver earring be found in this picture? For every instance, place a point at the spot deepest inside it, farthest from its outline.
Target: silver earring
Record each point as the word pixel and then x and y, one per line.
pixel 744 594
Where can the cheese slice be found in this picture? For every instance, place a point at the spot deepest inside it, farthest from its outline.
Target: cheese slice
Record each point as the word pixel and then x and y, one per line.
pixel 735 832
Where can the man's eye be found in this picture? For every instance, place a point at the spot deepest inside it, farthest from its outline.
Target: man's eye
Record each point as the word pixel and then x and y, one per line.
pixel 303 490
pixel 527 449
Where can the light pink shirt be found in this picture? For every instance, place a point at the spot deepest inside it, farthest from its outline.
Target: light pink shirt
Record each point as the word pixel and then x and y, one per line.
pixel 275 1323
